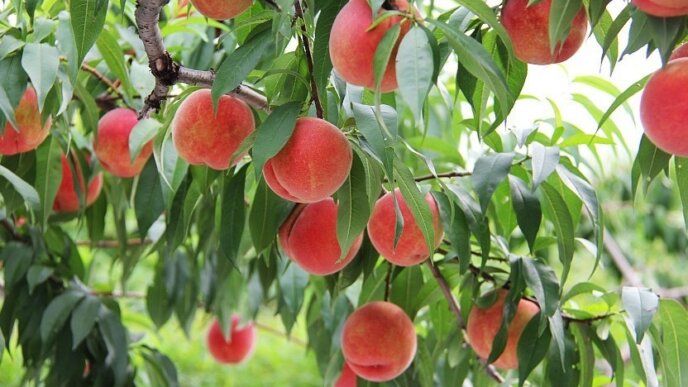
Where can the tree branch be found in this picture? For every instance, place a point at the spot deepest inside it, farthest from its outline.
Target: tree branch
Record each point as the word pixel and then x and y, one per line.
pixel 309 58
pixel 113 244
pixel 166 71
pixel 388 280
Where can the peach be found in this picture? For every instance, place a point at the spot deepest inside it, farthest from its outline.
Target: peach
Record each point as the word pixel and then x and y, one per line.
pixel 352 46
pixel 411 248
pixel 309 238
pixel 29 134
pixel 483 325
pixel 378 341
pixel 111 143
pixel 347 378
pixel 664 108
pixel 221 9
pixel 680 52
pixel 528 28
pixel 662 8
pixel 313 164
pixel 235 348
pixel 205 137
pixel 67 199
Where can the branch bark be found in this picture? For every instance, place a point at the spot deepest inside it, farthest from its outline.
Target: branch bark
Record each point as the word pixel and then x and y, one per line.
pixel 309 58
pixel 167 72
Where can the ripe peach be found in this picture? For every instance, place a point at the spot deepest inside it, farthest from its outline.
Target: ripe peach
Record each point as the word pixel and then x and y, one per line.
pixel 483 325
pixel 352 46
pixel 664 108
pixel 234 349
pixel 221 9
pixel 111 143
pixel 378 341
pixel 309 238
pixel 313 164
pixel 202 136
pixel 528 28
pixel 411 248
pixel 347 378
pixel 680 52
pixel 67 199
pixel 30 133
pixel 662 8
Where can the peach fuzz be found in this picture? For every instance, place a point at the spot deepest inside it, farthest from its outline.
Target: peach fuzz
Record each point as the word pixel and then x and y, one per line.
pixel 29 134
pixel 528 28
pixel 67 199
pixel 205 137
pixel 378 341
pixel 347 378
pixel 411 248
pixel 111 143
pixel 352 46
pixel 664 108
pixel 221 9
pixel 309 238
pixel 235 348
pixel 483 325
pixel 313 164
pixel 662 8
pixel 680 52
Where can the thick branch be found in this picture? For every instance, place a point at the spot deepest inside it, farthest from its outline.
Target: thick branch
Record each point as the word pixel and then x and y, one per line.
pixel 166 71
pixel 309 58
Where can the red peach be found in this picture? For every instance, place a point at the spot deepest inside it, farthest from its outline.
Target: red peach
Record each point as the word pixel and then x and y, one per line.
pixel 202 136
pixel 234 349
pixel 347 378
pixel 309 238
pixel 528 28
pixel 680 52
pixel 352 46
pixel 67 199
pixel 29 134
pixel 483 326
pixel 664 108
pixel 313 164
pixel 662 8
pixel 221 9
pixel 111 143
pixel 411 248
pixel 378 341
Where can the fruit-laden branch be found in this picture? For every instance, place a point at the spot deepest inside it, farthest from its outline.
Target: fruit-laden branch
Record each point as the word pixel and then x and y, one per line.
pixel 454 306
pixel 166 71
pixel 309 58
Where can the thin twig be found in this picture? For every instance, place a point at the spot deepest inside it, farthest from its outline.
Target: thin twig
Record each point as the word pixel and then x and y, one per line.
pixel 277 332
pixel 620 260
pixel 113 244
pixel 309 58
pixel 388 280
pixel 101 77
pixel 439 176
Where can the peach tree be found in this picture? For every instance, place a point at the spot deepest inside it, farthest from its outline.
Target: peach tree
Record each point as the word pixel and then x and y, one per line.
pixel 347 164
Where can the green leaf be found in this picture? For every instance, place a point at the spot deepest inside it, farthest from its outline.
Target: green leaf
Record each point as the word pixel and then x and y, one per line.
pixel 488 173
pixel 13 80
pixel 292 285
pixel 273 134
pixel 37 274
pixel 88 17
pixel 561 15
pixel 416 203
pixel 148 200
pixel 83 319
pixel 414 68
pixel 405 288
pixel 111 51
pixel 17 258
pixel 144 131
pixel 559 215
pixel 267 213
pixel 650 160
pixel 674 342
pixel 115 336
pixel 27 192
pixel 681 165
pixel 240 63
pixel 322 64
pixel 542 280
pixel 665 32
pixel 57 312
pixel 532 348
pixel 640 305
pixel 545 161
pixel 455 226
pixel 41 61
pixel 487 15
pixel 48 175
pixel 383 53
pixel 233 215
pixel 586 366
pixel 527 208
pixel 353 208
